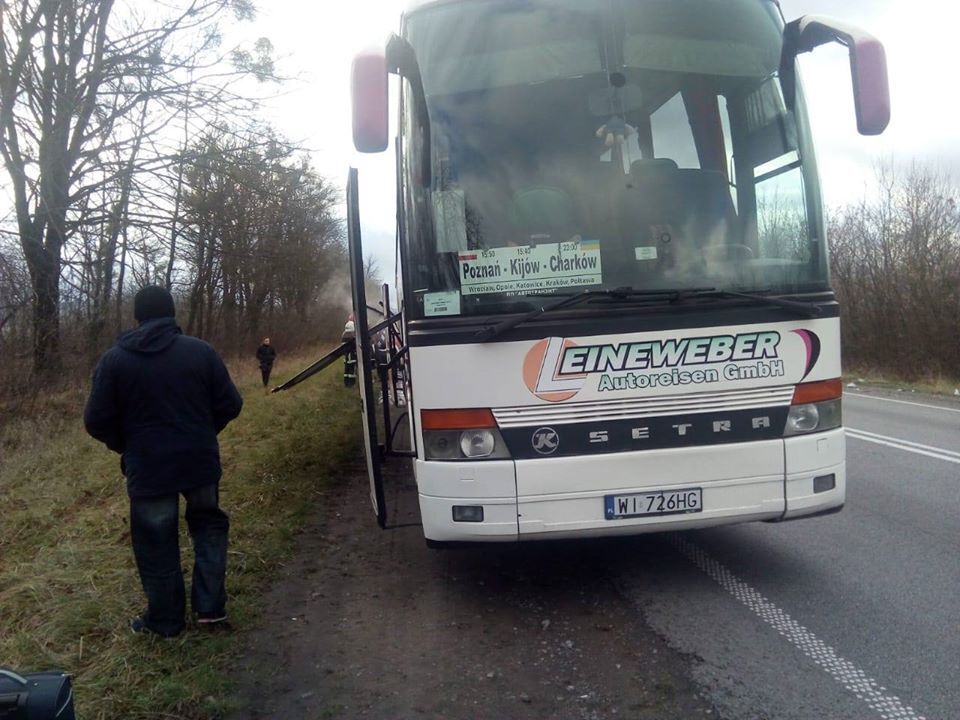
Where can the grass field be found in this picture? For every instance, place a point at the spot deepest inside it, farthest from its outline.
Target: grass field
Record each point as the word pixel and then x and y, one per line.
pixel 68 585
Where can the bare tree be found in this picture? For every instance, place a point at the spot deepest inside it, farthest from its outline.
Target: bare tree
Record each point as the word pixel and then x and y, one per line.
pixel 14 284
pixel 896 268
pixel 75 81
pixel 262 236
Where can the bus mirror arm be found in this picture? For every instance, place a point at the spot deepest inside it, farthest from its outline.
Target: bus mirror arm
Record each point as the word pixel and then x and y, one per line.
pixel 868 66
pixel 402 60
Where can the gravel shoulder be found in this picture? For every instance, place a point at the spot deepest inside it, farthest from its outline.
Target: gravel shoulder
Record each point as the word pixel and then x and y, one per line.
pixel 904 393
pixel 367 623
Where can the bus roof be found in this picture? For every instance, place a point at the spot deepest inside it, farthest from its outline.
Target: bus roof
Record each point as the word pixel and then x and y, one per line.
pixel 417 5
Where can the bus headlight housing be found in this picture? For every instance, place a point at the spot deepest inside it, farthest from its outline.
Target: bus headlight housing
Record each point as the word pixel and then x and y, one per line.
pixel 477 443
pixel 441 445
pixel 462 435
pixel 802 419
pixel 816 407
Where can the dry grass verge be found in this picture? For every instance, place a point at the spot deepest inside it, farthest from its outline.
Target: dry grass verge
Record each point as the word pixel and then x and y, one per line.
pixel 67 580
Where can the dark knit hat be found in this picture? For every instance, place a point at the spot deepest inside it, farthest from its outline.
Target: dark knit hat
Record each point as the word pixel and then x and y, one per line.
pixel 153 302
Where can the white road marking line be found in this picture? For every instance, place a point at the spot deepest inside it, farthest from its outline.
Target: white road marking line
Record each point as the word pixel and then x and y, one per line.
pixel 901 402
pixel 926 450
pixel 901 441
pixel 890 707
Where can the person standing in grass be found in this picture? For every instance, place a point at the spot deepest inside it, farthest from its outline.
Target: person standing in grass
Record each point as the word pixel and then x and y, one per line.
pixel 350 359
pixel 159 398
pixel 266 354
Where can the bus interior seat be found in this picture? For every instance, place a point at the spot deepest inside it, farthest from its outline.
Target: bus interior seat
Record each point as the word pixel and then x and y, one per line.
pixel 695 203
pixel 543 213
pixel 484 201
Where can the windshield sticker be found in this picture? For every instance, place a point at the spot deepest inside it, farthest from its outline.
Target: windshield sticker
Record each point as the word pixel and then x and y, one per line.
pixel 439 304
pixel 646 253
pixel 539 267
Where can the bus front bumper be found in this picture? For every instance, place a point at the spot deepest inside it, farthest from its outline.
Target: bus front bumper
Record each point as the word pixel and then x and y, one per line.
pixel 565 497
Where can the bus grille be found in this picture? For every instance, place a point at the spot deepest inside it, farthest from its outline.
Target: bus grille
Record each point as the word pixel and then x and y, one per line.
pixel 559 414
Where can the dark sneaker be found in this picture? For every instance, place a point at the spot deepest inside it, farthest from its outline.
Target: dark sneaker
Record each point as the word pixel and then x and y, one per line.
pixel 139 626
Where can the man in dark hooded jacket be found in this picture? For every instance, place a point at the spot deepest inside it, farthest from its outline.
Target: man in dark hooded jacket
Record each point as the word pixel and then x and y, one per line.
pixel 159 398
pixel 266 354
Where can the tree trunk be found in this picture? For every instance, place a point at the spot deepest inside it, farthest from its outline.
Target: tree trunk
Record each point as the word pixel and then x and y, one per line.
pixel 120 278
pixel 44 266
pixel 178 199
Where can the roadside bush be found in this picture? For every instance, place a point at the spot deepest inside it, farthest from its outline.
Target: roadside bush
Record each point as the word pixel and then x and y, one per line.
pixel 896 270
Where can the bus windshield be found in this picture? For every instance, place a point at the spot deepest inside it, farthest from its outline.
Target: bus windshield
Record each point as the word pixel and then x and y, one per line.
pixel 578 146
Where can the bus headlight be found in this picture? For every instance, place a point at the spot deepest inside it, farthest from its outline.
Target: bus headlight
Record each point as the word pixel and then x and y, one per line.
pixel 441 445
pixel 462 435
pixel 477 443
pixel 814 417
pixel 816 407
pixel 474 444
pixel 802 419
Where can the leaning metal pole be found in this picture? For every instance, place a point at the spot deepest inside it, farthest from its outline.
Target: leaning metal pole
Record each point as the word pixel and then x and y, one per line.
pixel 331 357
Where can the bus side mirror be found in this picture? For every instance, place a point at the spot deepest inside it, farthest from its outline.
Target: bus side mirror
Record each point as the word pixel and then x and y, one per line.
pixel 369 95
pixel 868 65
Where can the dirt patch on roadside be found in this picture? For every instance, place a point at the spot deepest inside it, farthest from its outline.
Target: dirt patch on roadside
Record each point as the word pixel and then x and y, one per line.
pixel 371 624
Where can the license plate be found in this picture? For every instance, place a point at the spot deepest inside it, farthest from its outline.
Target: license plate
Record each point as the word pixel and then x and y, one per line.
pixel 657 502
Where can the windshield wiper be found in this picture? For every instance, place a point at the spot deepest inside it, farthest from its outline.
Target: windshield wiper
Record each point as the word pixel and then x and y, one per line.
pixel 807 309
pixel 627 293
pixel 492 331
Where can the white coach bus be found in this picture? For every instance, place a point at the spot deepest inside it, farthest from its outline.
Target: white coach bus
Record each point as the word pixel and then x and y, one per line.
pixel 616 312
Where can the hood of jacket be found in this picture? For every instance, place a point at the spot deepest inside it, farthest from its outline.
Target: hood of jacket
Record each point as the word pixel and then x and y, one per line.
pixel 153 336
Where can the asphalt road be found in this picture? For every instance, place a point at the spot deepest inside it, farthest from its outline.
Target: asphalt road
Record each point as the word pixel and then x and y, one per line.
pixel 851 616
pixel 855 615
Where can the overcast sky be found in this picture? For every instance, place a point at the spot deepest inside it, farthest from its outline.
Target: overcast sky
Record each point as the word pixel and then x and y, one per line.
pixel 317 41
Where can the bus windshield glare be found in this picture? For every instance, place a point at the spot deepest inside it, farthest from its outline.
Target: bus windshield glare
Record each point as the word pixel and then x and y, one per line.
pixel 588 146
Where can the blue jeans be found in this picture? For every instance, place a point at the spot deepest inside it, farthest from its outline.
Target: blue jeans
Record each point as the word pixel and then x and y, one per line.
pixel 154 526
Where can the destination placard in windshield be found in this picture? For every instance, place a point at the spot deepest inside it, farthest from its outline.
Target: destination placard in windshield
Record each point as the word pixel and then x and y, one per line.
pixel 537 267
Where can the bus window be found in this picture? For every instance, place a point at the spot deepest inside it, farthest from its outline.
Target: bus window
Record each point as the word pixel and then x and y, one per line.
pixel 524 198
pixel 781 212
pixel 672 136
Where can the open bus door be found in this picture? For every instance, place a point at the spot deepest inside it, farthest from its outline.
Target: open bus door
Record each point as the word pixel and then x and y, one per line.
pixel 368 400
